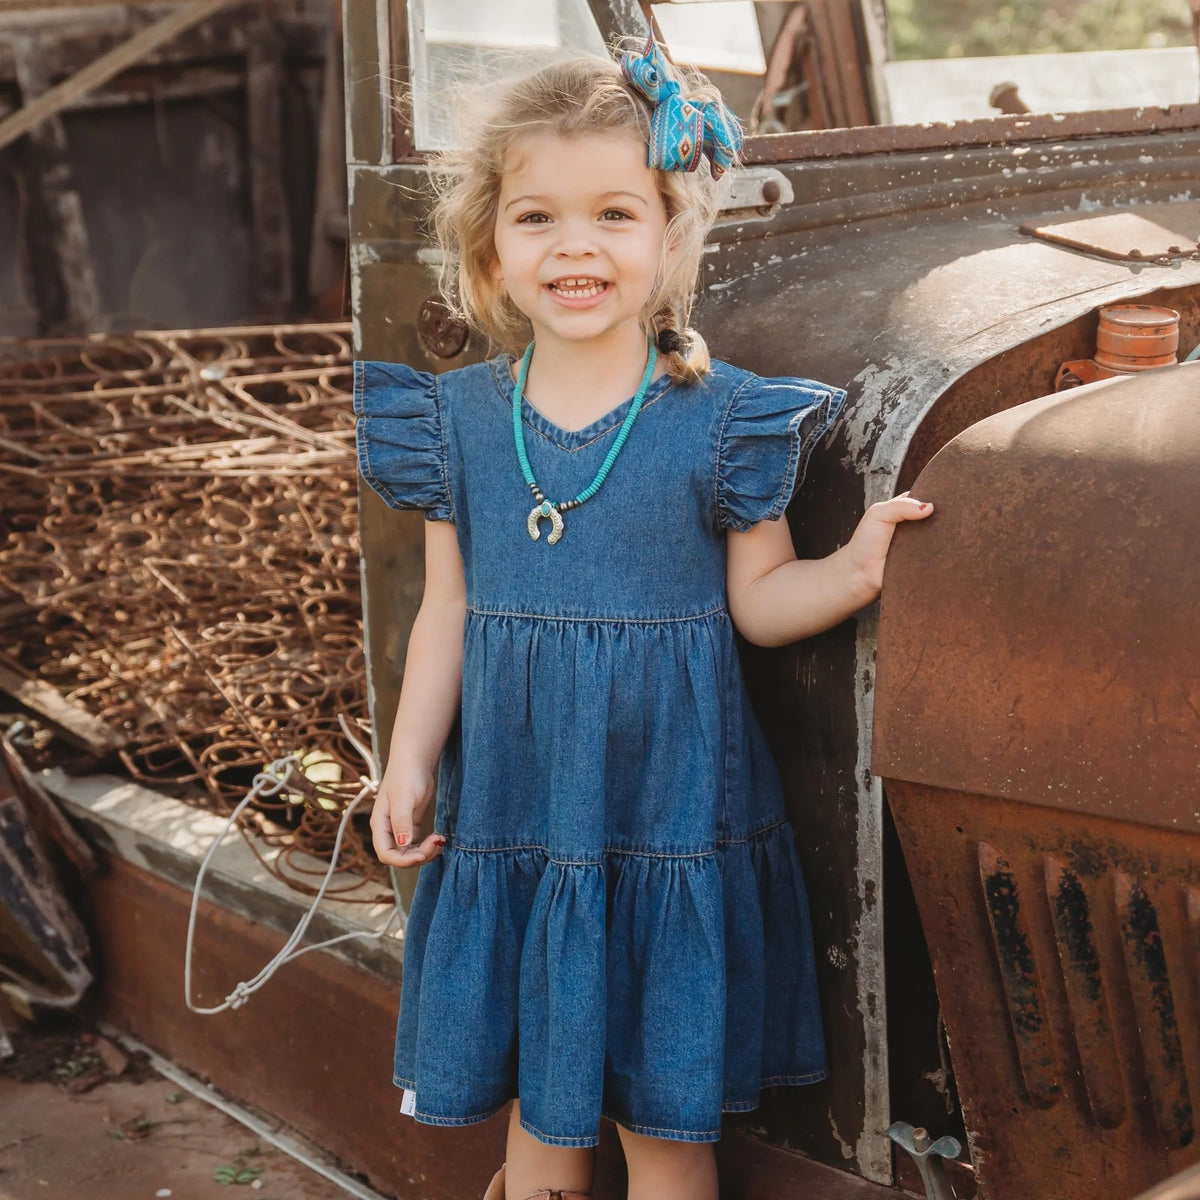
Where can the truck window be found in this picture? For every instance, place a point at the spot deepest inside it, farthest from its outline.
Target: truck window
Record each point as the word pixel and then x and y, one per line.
pixel 723 35
pixel 951 60
pixel 457 42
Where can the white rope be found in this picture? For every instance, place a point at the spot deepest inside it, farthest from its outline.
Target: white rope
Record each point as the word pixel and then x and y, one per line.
pixel 284 773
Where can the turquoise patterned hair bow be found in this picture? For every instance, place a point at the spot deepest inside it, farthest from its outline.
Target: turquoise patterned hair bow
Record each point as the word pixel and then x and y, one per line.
pixel 681 130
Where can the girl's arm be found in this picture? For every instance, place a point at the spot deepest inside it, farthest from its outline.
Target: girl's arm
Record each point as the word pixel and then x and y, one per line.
pixel 775 598
pixel 429 701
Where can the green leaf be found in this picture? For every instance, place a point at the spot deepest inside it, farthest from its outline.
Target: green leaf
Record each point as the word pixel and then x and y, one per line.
pixel 225 1174
pixel 248 1175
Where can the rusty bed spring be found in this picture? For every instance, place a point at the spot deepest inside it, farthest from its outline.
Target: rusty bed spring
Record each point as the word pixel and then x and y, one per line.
pixel 180 557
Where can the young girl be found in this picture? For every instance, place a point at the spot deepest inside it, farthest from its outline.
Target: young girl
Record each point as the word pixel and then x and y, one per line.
pixel 611 918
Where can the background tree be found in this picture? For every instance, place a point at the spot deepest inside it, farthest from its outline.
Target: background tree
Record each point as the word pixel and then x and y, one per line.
pixel 964 28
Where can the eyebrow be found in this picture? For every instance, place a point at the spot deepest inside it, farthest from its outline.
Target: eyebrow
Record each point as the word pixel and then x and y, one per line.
pixel 605 196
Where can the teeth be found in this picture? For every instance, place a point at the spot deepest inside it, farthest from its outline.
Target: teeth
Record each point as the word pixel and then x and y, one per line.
pixel 577 288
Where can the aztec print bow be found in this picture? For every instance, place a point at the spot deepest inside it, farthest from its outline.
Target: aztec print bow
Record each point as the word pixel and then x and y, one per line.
pixel 681 130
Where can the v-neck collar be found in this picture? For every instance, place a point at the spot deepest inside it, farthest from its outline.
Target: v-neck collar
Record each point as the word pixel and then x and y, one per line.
pixel 569 439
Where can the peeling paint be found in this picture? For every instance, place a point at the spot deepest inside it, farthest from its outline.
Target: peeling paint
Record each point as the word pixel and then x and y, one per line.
pixel 363 254
pixel 872 1149
pixel 846 1148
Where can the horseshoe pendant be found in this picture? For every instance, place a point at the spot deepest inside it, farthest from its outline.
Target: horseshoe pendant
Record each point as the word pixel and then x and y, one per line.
pixel 545 512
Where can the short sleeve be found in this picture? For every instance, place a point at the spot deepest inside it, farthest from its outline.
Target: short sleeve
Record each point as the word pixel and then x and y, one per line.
pixel 401 437
pixel 769 430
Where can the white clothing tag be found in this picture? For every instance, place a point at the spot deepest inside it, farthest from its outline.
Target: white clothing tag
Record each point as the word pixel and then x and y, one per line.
pixel 408 1105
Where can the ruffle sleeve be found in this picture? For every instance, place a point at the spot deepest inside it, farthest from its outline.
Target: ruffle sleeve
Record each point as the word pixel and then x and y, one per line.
pixel 401 437
pixel 769 430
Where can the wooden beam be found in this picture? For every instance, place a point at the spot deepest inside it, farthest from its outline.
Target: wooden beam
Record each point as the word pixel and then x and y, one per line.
pixel 272 251
pixel 327 250
pixel 50 704
pixel 17 6
pixel 73 38
pixel 68 295
pixel 104 68
pixel 187 85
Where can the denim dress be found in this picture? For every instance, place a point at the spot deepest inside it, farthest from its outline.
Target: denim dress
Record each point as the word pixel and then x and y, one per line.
pixel 618 923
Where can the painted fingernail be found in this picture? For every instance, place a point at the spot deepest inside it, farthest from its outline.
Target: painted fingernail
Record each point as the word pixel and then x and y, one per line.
pixel 441 841
pixel 402 839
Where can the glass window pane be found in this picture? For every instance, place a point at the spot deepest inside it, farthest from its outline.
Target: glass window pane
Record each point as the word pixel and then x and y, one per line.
pixel 959 59
pixel 721 36
pixel 974 28
pixel 458 44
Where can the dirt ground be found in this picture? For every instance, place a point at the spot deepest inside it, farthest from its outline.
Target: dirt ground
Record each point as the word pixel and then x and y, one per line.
pixel 81 1119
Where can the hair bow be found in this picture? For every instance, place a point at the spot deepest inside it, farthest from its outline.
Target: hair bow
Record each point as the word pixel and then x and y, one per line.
pixel 680 130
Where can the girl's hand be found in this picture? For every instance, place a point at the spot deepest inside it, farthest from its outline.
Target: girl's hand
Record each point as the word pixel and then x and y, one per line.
pixel 400 803
pixel 867 549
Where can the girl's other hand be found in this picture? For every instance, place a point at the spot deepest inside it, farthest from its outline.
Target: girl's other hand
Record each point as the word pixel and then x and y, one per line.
pixel 400 803
pixel 868 548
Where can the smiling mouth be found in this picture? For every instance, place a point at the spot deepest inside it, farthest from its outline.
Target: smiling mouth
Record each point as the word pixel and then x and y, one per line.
pixel 573 288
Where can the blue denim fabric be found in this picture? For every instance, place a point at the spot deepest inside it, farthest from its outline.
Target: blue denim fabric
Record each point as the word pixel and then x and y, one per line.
pixel 618 924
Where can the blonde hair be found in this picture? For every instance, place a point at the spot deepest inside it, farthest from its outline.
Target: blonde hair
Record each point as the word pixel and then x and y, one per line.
pixel 573 97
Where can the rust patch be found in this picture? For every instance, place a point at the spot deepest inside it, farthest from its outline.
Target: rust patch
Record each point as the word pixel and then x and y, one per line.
pixel 1052 895
pixel 1018 970
pixel 1055 534
pixel 947 135
pixel 1091 1025
pixel 1154 1002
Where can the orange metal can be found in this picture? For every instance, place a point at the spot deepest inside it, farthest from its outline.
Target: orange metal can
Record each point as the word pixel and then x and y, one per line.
pixel 1136 337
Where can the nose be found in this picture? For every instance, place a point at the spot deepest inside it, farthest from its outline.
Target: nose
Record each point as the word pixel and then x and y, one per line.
pixel 576 239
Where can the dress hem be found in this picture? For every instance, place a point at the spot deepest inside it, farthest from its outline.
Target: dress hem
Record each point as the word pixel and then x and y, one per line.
pixel 430 1119
pixel 744 1106
pixel 590 1140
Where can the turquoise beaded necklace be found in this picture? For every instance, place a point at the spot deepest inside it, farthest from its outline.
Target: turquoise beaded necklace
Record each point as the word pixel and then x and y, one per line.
pixel 543 509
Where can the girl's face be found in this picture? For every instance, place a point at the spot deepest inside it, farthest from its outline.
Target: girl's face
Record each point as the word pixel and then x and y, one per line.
pixel 580 233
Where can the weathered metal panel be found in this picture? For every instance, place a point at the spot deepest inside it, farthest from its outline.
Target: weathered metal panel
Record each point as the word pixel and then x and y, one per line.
pixel 991 387
pixel 366 49
pixel 1063 668
pixel 403 146
pixel 1038 731
pixel 964 188
pixel 617 19
pixel 390 280
pixel 1066 966
pixel 941 135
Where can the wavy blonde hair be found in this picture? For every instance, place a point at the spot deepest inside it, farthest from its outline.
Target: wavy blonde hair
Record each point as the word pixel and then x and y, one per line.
pixel 571 98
